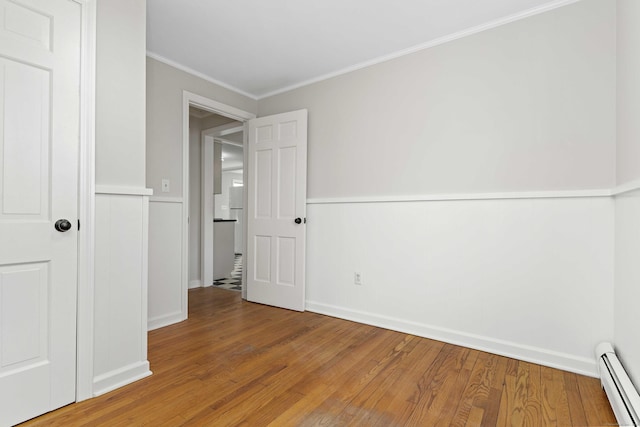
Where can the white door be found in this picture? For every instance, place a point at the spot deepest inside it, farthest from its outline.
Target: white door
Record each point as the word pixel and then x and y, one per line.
pixel 277 193
pixel 39 137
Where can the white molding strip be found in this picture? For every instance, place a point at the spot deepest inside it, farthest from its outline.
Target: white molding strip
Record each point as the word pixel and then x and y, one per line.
pixel 124 191
pixel 197 283
pixel 165 199
pixel 86 238
pixel 120 377
pixel 461 197
pixel 165 320
pixel 563 361
pixel 202 102
pixel 198 74
pixel 441 40
pixel 627 187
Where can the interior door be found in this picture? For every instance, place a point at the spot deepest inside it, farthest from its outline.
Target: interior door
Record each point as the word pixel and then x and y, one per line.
pixel 276 220
pixel 39 137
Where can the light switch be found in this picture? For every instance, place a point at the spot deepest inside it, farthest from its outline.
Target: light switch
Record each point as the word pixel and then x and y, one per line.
pixel 165 185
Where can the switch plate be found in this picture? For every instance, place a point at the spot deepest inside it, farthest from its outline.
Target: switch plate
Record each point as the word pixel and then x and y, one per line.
pixel 357 278
pixel 165 185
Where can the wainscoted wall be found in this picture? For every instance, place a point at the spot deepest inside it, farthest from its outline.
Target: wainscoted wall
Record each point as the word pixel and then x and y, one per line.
pixel 121 265
pixel 166 302
pixel 530 278
pixel 627 289
pixel 627 340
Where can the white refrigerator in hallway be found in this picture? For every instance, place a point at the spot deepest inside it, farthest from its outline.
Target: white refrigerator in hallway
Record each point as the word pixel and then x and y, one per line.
pixel 235 212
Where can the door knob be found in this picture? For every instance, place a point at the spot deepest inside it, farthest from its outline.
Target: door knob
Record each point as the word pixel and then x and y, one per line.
pixel 298 220
pixel 63 225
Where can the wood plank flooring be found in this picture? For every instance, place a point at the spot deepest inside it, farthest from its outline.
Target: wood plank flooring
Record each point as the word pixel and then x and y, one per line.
pixel 238 363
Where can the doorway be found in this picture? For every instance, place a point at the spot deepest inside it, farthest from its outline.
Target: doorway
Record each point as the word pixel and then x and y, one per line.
pixel 199 114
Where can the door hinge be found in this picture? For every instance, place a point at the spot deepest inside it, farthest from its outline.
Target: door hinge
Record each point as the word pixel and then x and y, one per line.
pixel 78 225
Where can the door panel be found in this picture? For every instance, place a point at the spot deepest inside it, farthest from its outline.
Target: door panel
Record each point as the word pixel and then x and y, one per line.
pixel 277 154
pixel 25 142
pixel 39 142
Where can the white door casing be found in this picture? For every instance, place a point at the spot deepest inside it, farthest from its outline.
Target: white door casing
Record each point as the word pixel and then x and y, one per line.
pixel 276 220
pixel 39 142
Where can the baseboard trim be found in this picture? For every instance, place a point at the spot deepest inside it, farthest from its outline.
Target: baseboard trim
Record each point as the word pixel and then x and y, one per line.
pixel 166 320
pixel 563 361
pixel 195 284
pixel 120 377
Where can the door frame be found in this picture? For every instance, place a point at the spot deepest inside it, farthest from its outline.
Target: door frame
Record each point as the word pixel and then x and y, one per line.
pixel 86 203
pixel 202 102
pixel 207 230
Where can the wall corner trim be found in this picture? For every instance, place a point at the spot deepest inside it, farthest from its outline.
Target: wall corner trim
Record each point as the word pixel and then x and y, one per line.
pixel 198 74
pixel 627 187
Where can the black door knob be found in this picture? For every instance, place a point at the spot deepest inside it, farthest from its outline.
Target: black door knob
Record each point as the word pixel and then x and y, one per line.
pixel 298 220
pixel 63 225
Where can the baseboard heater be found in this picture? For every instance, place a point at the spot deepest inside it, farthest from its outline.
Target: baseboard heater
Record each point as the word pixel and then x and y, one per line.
pixel 623 396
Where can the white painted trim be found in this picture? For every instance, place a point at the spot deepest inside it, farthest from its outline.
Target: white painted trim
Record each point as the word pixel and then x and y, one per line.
pixel 120 377
pixel 198 74
pixel 245 211
pixel 627 187
pixel 190 98
pixel 217 107
pixel 144 291
pixel 165 199
pixel 165 320
pixel 197 283
pixel 442 40
pixel 86 204
pixel 563 361
pixel 207 207
pixel 469 196
pixel 123 191
pixel 223 130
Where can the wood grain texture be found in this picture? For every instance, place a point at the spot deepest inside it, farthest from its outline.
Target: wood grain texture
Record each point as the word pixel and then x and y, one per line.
pixel 235 363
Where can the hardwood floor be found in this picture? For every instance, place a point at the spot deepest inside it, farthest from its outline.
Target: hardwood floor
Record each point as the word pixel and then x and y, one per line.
pixel 238 363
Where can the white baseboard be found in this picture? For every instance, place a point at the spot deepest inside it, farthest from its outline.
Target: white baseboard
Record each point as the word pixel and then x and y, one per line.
pixel 566 362
pixel 195 283
pixel 120 377
pixel 166 320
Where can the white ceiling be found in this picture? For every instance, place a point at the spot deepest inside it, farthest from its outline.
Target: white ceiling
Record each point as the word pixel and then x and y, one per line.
pixel 261 47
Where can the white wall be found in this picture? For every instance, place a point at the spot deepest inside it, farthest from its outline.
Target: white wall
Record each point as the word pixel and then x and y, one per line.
pixel 222 199
pixel 165 86
pixel 165 272
pixel 529 278
pixel 121 203
pixel 528 106
pixel 120 291
pixel 627 288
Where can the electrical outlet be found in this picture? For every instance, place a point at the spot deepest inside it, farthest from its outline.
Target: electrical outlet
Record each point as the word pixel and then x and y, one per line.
pixel 165 185
pixel 357 278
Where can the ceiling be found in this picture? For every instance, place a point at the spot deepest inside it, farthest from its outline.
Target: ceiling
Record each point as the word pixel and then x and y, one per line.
pixel 259 47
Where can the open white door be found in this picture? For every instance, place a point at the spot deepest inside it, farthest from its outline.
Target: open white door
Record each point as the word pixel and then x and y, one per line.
pixel 277 193
pixel 39 142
